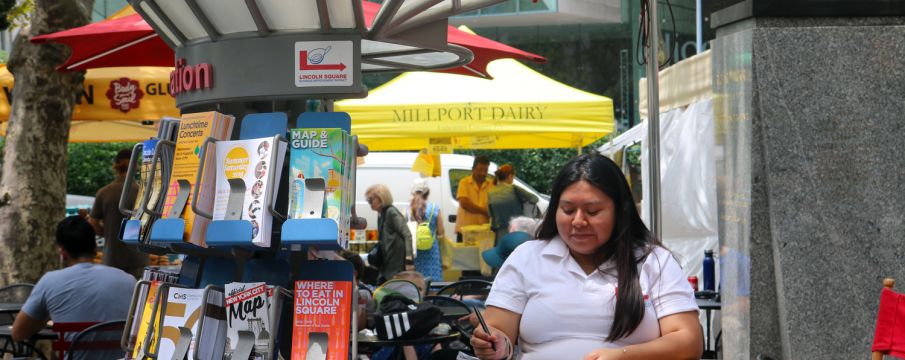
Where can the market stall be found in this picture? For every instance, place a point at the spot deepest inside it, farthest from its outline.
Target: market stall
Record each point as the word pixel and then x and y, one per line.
pixel 687 164
pixel 518 108
pixel 117 104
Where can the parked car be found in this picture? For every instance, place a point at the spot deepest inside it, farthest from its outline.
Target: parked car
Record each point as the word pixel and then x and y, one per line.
pixel 76 202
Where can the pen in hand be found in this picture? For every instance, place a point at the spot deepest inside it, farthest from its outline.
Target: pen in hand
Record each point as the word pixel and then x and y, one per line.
pixel 484 325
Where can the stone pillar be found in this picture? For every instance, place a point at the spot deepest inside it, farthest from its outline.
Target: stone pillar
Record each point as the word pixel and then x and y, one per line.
pixel 810 138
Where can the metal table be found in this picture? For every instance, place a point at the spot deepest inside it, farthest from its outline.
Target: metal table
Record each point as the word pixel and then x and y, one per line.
pixel 13 308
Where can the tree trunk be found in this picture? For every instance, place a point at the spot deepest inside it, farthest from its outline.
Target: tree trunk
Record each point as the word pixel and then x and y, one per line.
pixel 33 180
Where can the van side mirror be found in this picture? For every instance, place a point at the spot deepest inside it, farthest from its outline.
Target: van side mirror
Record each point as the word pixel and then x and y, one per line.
pixel 452 218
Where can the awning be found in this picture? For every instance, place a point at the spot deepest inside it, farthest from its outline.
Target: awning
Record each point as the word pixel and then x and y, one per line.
pixel 520 108
pixel 118 104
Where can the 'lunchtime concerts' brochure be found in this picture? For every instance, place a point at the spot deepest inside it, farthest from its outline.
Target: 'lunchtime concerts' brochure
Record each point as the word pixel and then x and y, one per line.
pixel 194 129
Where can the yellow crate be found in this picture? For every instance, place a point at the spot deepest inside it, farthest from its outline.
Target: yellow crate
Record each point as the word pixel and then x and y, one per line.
pixel 479 238
pixel 476 235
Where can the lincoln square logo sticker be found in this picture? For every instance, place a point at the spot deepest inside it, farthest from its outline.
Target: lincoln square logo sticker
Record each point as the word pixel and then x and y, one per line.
pixel 323 63
pixel 125 94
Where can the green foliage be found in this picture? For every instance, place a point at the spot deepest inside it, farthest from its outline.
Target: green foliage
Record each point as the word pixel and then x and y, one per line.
pixel 90 166
pixel 633 154
pixel 18 15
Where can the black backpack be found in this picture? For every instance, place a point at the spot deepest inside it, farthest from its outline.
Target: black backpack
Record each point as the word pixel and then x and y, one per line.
pixel 401 318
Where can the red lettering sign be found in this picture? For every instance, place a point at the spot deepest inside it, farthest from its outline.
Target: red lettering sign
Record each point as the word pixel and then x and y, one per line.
pixel 186 78
pixel 125 94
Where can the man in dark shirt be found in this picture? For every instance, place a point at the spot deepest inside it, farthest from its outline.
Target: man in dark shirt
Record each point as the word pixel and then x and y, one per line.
pixel 106 220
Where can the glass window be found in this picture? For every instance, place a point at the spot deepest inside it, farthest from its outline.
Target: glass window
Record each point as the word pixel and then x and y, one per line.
pixel 631 167
pixel 501 8
pixel 455 175
pixel 531 5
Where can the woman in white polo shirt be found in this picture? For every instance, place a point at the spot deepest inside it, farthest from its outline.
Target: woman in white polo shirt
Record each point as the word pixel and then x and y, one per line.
pixel 597 285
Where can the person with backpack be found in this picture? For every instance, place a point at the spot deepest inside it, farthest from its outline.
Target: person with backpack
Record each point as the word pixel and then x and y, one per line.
pixel 428 231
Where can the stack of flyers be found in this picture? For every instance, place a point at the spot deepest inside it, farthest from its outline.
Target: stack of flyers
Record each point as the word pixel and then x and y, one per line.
pixel 250 160
pixel 323 149
pixel 194 129
pixel 247 309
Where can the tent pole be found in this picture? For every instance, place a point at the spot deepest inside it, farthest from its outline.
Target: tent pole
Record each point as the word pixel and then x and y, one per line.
pixel 699 35
pixel 653 118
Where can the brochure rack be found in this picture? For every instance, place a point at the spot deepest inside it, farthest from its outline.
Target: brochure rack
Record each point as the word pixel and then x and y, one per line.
pixel 246 62
pixel 127 342
pixel 130 229
pixel 152 246
pixel 232 231
pixel 315 230
pixel 213 313
pixel 160 307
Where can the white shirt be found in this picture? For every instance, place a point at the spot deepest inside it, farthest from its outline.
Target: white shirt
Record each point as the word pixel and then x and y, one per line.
pixel 567 313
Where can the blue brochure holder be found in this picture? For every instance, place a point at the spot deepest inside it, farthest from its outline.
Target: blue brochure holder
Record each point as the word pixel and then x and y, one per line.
pixel 168 230
pixel 129 231
pixel 311 232
pixel 340 120
pixel 229 233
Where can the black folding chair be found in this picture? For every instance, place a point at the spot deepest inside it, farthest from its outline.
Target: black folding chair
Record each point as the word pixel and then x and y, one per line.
pixel 21 350
pixel 12 294
pixel 99 341
pixel 453 311
pixel 16 293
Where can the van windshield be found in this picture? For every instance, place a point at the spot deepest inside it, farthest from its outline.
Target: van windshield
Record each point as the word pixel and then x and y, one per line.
pixel 456 175
pixel 525 185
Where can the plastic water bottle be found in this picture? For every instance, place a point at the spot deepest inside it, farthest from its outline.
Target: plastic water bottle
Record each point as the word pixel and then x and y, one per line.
pixel 708 271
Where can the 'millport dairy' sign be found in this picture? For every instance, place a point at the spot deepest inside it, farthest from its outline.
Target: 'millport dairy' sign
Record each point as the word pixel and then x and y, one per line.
pixel 464 113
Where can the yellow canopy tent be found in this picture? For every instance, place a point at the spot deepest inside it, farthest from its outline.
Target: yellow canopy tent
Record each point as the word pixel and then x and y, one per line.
pixel 118 104
pixel 518 109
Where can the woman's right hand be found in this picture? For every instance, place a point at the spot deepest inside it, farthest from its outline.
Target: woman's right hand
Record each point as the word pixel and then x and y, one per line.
pixel 484 344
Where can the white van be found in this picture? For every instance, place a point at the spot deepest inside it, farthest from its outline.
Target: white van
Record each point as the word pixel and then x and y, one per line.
pixel 394 170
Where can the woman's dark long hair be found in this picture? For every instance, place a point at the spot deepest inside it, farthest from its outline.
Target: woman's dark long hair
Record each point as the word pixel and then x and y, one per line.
pixel 629 234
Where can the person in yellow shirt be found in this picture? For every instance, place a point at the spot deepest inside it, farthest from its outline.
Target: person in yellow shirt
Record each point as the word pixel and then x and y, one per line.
pixel 472 196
